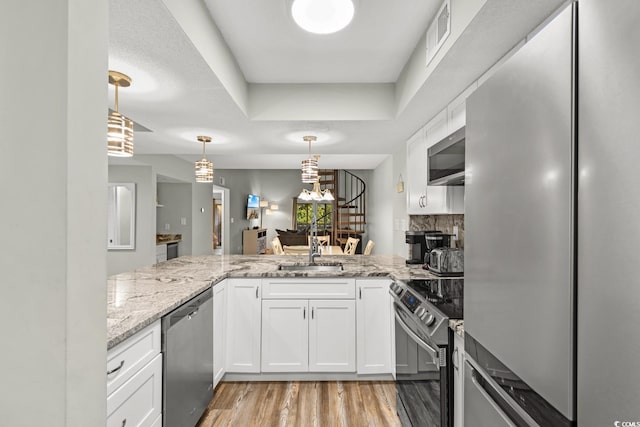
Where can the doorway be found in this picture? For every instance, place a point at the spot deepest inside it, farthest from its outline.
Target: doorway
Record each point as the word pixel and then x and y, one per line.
pixel 220 220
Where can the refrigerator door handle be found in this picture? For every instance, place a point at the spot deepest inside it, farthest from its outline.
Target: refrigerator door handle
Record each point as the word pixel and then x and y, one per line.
pixel 499 399
pixel 435 355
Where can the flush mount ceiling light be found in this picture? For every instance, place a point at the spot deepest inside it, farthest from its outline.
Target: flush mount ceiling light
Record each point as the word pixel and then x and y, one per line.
pixel 322 16
pixel 310 166
pixel 204 168
pixel 119 127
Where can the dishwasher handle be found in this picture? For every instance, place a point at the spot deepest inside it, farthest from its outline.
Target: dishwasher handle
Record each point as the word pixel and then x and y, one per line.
pixel 186 311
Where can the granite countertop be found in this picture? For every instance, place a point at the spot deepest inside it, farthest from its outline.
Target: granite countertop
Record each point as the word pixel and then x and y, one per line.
pixel 163 239
pixel 168 241
pixel 138 298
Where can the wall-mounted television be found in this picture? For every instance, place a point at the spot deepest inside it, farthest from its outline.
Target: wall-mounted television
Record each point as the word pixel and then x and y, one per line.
pixel 253 207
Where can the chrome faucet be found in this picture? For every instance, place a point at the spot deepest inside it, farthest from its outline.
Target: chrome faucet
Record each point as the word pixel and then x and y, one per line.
pixel 314 249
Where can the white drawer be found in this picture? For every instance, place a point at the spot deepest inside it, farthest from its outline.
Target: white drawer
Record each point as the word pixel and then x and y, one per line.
pixel 131 355
pixel 139 401
pixel 303 288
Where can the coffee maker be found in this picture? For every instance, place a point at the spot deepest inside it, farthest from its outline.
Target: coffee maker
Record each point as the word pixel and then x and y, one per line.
pixel 417 246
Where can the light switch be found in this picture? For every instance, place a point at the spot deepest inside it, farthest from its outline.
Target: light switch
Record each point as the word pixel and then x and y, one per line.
pixel 167 227
pixel 183 221
pixel 455 232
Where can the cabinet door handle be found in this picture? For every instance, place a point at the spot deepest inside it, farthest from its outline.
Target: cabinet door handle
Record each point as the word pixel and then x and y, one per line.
pixel 114 370
pixel 313 310
pixel 256 292
pixel 193 313
pixel 304 312
pixel 360 292
pixel 124 422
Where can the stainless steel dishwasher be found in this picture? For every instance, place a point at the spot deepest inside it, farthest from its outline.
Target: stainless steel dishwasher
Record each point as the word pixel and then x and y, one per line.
pixel 187 346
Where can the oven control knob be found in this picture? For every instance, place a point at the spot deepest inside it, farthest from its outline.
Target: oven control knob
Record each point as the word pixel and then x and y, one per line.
pixel 428 319
pixel 421 312
pixel 395 288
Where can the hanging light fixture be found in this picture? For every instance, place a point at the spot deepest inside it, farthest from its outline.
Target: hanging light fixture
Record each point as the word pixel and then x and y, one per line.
pixel 119 127
pixel 204 168
pixel 310 165
pixel 316 195
pixel 322 16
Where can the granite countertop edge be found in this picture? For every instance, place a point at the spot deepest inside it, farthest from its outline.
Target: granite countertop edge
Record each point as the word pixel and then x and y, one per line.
pixel 137 299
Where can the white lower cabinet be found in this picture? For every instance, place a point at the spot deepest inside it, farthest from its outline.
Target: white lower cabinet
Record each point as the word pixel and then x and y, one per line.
pixel 332 336
pixel 308 336
pixel 243 328
pixel 458 380
pixel 134 380
pixel 285 336
pixel 219 330
pixel 138 402
pixel 374 326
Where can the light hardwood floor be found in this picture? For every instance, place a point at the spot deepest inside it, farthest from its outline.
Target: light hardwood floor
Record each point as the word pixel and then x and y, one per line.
pixel 304 404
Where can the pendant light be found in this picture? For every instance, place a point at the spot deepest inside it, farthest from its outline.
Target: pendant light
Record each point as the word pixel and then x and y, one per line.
pixel 204 168
pixel 310 166
pixel 119 127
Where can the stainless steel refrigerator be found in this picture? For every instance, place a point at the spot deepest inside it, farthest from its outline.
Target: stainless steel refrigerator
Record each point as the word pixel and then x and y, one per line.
pixel 552 226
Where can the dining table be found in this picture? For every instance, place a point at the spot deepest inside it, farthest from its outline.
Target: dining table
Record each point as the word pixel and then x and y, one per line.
pixel 304 249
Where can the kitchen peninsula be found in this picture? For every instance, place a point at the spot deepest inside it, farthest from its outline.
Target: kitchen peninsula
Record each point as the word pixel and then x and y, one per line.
pixel 138 298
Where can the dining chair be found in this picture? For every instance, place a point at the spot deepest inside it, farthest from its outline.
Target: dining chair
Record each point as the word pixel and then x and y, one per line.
pixel 277 246
pixel 350 247
pixel 322 240
pixel 369 247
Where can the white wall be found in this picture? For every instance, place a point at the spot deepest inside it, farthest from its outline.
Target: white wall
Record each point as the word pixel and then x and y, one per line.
pixel 53 171
pixel 380 209
pixel 120 261
pixel 387 211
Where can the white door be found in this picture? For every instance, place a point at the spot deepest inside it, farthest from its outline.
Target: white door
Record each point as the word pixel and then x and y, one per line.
pixel 243 325
pixel 219 330
pixel 332 336
pixel 285 336
pixel 373 311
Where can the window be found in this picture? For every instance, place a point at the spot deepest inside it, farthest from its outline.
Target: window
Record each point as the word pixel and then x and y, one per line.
pixel 304 215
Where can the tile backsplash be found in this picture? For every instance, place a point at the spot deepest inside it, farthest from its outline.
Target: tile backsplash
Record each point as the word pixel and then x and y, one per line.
pixel 444 223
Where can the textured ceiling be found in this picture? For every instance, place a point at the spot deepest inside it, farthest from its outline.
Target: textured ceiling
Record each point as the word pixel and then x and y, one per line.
pixel 271 48
pixel 178 94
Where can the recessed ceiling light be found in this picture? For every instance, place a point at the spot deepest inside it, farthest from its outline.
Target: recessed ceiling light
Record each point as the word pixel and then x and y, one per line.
pixel 322 16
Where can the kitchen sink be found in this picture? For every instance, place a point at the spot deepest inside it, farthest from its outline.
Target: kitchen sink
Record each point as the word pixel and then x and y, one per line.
pixel 311 267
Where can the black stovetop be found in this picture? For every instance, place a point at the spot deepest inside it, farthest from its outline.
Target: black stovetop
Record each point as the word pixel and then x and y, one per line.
pixel 447 294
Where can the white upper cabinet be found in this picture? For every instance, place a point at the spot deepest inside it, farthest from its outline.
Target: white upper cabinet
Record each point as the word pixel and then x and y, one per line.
pixel 423 199
pixel 416 173
pixel 457 111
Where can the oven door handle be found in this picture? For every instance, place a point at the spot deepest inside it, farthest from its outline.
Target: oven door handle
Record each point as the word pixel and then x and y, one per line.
pixel 434 353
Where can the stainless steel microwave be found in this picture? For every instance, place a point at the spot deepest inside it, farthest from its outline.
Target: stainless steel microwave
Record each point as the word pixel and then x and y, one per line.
pixel 446 160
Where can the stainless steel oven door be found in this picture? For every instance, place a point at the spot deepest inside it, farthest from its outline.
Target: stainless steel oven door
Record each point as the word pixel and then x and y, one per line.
pixel 415 333
pixel 421 375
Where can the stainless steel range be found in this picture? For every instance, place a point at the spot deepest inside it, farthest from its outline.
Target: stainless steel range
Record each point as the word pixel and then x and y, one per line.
pixel 424 345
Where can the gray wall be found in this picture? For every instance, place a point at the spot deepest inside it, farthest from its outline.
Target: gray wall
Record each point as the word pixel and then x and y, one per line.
pixel 279 186
pixel 119 261
pixel 176 204
pixel 274 185
pixel 53 170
